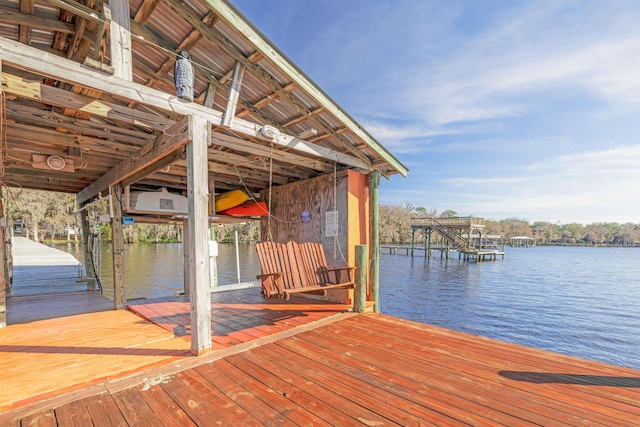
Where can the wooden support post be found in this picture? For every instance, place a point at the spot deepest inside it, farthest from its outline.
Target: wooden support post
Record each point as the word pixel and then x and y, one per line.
pixel 185 254
pixel 374 273
pixel 120 33
pixel 213 259
pixel 4 272
pixel 198 196
pixel 360 292
pixel 89 265
pixel 413 239
pixel 429 243
pixel 117 248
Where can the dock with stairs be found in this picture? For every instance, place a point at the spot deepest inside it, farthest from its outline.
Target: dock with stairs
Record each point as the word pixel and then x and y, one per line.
pixel 462 234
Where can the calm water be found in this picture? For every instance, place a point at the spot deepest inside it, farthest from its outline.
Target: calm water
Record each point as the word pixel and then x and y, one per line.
pixel 579 301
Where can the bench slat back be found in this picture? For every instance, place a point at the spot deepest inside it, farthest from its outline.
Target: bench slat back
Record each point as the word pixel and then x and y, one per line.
pixel 301 264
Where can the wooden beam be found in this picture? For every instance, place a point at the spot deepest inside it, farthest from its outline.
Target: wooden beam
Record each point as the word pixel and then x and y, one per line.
pixel 12 16
pixel 81 26
pixel 117 249
pixel 164 145
pixel 145 10
pixel 210 96
pixel 199 274
pixel 162 163
pixel 78 9
pixel 234 93
pixel 120 33
pixel 119 138
pixel 27 7
pixel 26 57
pixel 38 91
pixel 99 49
pixel 238 144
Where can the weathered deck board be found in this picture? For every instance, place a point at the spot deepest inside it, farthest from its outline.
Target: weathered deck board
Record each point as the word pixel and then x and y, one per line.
pixel 44 358
pixel 368 369
pixel 39 269
pixel 29 308
pixel 237 316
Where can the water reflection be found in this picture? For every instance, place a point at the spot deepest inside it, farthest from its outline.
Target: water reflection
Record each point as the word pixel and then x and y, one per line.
pixel 158 270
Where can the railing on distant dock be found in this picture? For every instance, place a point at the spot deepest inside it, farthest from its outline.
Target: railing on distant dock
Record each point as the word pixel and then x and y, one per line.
pixel 469 221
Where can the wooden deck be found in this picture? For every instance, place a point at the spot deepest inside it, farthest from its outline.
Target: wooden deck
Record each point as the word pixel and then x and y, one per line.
pixel 300 362
pixel 67 353
pixel 38 269
pixel 349 369
pixel 237 316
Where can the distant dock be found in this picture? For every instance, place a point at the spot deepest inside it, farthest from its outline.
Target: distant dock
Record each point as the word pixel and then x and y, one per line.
pixel 485 255
pixel 462 234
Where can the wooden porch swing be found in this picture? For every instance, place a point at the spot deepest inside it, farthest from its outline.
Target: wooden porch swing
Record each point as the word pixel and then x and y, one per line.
pixel 299 268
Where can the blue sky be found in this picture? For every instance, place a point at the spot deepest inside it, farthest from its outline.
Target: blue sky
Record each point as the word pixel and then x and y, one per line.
pixel 499 108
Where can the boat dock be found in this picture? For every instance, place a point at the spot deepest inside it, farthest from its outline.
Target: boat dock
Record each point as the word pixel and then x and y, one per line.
pixel 461 234
pixel 298 362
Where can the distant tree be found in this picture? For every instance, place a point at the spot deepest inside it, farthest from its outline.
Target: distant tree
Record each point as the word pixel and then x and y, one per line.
pixel 449 214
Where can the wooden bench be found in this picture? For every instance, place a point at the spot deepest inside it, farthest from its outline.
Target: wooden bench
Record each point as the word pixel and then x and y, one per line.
pixel 297 268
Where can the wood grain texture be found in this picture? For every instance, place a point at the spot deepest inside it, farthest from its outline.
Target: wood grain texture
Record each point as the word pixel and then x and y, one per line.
pixel 373 369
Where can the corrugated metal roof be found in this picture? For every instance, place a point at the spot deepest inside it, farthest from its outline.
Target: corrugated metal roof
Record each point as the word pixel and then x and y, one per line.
pixel 273 91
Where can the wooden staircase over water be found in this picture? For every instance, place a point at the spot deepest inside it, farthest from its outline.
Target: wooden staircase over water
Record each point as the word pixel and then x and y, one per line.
pixel 464 234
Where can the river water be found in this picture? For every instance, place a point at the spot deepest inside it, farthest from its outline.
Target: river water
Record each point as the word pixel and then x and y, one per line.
pixel 573 300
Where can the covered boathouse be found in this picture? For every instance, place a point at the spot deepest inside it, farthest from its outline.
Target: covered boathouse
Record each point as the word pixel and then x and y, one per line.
pixel 90 107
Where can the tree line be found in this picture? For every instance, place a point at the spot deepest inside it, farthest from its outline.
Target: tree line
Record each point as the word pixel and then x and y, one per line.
pixel 46 215
pixel 395 229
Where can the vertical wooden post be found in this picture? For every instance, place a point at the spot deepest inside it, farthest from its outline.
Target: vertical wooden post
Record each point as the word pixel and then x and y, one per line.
pixel 213 260
pixel 374 272
pixel 117 249
pixel 89 265
pixel 198 195
pixel 4 276
pixel 185 254
pixel 120 34
pixel 360 293
pixel 413 239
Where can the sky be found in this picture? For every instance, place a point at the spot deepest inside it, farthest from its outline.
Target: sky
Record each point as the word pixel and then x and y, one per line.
pixel 499 108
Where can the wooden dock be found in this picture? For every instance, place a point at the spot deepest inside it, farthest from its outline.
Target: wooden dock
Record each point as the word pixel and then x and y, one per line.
pixel 303 361
pixel 113 368
pixel 475 255
pixel 38 269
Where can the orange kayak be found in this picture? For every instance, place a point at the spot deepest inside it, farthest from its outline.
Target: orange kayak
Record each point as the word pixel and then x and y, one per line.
pixel 247 209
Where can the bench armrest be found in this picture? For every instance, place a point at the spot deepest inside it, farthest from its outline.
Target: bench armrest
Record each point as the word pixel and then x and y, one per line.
pixel 338 272
pixel 271 284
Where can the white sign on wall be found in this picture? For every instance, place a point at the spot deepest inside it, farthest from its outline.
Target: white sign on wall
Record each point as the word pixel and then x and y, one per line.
pixel 331 224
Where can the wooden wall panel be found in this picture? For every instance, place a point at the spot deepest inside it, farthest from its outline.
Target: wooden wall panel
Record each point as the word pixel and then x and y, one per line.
pixel 316 195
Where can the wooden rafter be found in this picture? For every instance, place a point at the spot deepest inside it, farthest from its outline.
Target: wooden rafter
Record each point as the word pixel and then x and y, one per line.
pixel 148 156
pixel 25 57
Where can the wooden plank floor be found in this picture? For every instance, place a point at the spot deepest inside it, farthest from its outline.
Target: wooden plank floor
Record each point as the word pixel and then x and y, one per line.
pixel 40 359
pixel 39 269
pixel 29 308
pixel 237 316
pixel 368 369
pixel 44 358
